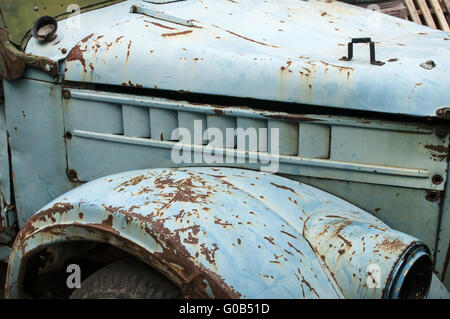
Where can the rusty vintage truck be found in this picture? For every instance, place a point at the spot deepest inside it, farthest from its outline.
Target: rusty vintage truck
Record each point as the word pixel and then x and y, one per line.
pixel 331 182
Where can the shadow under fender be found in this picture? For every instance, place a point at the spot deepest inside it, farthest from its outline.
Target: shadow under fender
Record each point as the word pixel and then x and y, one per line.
pixel 232 233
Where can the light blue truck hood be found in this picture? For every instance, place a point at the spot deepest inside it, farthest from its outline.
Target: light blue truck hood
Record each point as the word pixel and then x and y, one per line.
pixel 278 50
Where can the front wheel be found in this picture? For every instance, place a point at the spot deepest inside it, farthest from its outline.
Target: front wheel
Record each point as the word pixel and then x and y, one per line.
pixel 126 279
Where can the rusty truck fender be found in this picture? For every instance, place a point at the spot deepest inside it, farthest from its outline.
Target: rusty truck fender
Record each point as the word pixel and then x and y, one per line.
pixel 230 233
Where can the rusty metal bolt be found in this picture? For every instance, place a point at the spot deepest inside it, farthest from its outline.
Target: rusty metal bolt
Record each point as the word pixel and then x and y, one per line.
pixel 432 196
pixel 66 94
pixel 64 50
pixel 437 179
pixel 72 175
pixel 68 135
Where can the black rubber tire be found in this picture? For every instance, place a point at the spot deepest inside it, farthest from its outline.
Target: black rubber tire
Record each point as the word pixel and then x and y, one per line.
pixel 126 279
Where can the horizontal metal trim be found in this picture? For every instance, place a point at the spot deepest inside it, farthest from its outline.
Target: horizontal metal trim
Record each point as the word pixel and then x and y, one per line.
pixel 126 99
pixel 407 177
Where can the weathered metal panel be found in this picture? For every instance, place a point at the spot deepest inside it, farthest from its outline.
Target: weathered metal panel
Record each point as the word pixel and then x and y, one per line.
pixel 201 224
pixel 372 146
pixel 353 245
pixel 89 152
pixel 348 161
pixel 443 244
pixel 36 134
pixel 7 216
pixel 5 180
pixel 407 210
pixel 225 55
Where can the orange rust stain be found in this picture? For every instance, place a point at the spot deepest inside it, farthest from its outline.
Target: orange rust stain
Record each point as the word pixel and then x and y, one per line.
pixel 391 246
pixel 87 38
pixel 176 33
pixel 337 66
pixel 76 54
pixel 128 52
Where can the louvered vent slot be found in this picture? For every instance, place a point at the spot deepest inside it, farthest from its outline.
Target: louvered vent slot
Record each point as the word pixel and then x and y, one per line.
pixel 162 124
pixel 136 121
pixel 252 137
pixel 95 116
pixel 222 123
pixel 195 123
pixel 283 136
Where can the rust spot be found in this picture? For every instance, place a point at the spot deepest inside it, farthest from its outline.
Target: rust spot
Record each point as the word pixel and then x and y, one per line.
pixel 337 66
pixel 270 240
pixel 219 221
pixel 209 253
pixel 290 117
pixel 176 33
pixel 288 234
pixel 391 246
pixel 347 242
pixel 112 209
pixel 245 38
pixel 128 53
pixel 108 222
pixel 438 152
pixel 87 38
pixel 58 208
pixel 307 283
pixel 132 182
pixel 288 189
pixel 76 54
pixel 437 148
pixel 376 227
